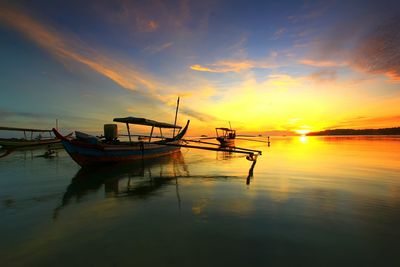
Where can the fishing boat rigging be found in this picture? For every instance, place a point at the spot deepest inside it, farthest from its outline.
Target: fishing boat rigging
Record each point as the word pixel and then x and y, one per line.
pixel 89 150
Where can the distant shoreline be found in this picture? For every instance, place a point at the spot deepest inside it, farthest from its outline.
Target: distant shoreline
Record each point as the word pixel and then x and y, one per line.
pixel 335 132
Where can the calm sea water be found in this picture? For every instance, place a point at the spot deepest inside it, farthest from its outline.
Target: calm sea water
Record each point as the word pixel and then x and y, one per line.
pixel 312 201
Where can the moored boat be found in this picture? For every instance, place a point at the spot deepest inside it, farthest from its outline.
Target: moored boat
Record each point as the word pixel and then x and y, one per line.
pixel 90 150
pixel 28 140
pixel 225 136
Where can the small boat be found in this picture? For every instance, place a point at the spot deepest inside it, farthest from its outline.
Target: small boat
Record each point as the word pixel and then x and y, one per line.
pixel 28 140
pixel 225 136
pixel 89 150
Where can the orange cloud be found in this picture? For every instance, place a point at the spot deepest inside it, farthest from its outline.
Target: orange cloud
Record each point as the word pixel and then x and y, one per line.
pixel 393 75
pixel 323 75
pixel 231 66
pixel 66 49
pixel 322 63
pixel 379 52
pixel 365 122
pixel 69 49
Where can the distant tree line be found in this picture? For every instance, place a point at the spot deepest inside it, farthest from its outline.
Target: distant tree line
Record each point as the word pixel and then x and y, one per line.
pixel 383 131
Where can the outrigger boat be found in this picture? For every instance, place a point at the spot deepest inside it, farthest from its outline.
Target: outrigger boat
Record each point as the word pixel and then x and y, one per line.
pixel 225 136
pixel 28 141
pixel 90 150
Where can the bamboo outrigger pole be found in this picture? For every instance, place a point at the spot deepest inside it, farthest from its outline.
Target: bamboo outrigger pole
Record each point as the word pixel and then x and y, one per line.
pixel 233 147
pixel 250 154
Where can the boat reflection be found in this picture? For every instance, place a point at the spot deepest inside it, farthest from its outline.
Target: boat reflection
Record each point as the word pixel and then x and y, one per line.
pixel 225 155
pixel 140 179
pixel 5 152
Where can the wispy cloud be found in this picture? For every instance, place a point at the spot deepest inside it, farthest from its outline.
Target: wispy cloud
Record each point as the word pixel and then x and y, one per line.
pixel 323 75
pixel 68 49
pixel 41 119
pixel 310 11
pixel 127 13
pixel 145 25
pixel 365 40
pixel 198 115
pixel 232 66
pixel 5 114
pixel 379 51
pixel 279 33
pixel 146 17
pixel 322 63
pixel 152 49
pixel 365 122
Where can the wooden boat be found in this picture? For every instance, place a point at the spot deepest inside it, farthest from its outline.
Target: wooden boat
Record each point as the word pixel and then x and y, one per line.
pixel 28 141
pixel 90 150
pixel 225 136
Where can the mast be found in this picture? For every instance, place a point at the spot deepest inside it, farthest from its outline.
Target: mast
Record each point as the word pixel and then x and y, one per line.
pixel 129 133
pixel 176 116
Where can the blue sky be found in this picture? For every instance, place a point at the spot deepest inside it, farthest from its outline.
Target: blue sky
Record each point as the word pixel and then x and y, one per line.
pixel 263 65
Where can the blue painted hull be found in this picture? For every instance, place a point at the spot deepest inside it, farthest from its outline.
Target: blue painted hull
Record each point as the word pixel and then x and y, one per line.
pixel 85 154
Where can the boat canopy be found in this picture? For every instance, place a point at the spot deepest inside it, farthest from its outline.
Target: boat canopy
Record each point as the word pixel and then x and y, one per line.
pixel 23 129
pixel 143 121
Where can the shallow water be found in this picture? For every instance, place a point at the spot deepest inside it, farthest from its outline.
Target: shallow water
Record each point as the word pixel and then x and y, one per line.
pixel 312 201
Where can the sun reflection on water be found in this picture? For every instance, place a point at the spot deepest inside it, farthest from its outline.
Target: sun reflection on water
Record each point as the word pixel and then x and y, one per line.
pixel 303 139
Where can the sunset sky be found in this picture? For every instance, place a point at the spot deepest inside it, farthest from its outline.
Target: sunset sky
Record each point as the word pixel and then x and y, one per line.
pixel 265 66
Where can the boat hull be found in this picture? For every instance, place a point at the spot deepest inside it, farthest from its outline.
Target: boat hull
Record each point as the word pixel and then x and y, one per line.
pixel 226 141
pixel 13 143
pixel 86 155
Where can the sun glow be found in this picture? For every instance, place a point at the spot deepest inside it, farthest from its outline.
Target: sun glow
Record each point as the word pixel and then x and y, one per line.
pixel 302 131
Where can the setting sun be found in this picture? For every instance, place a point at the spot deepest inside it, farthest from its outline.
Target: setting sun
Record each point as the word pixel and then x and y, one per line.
pixel 302 131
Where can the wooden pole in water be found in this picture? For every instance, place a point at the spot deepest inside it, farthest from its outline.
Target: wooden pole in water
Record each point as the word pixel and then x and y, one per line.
pixel 251 172
pixel 57 124
pixel 176 116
